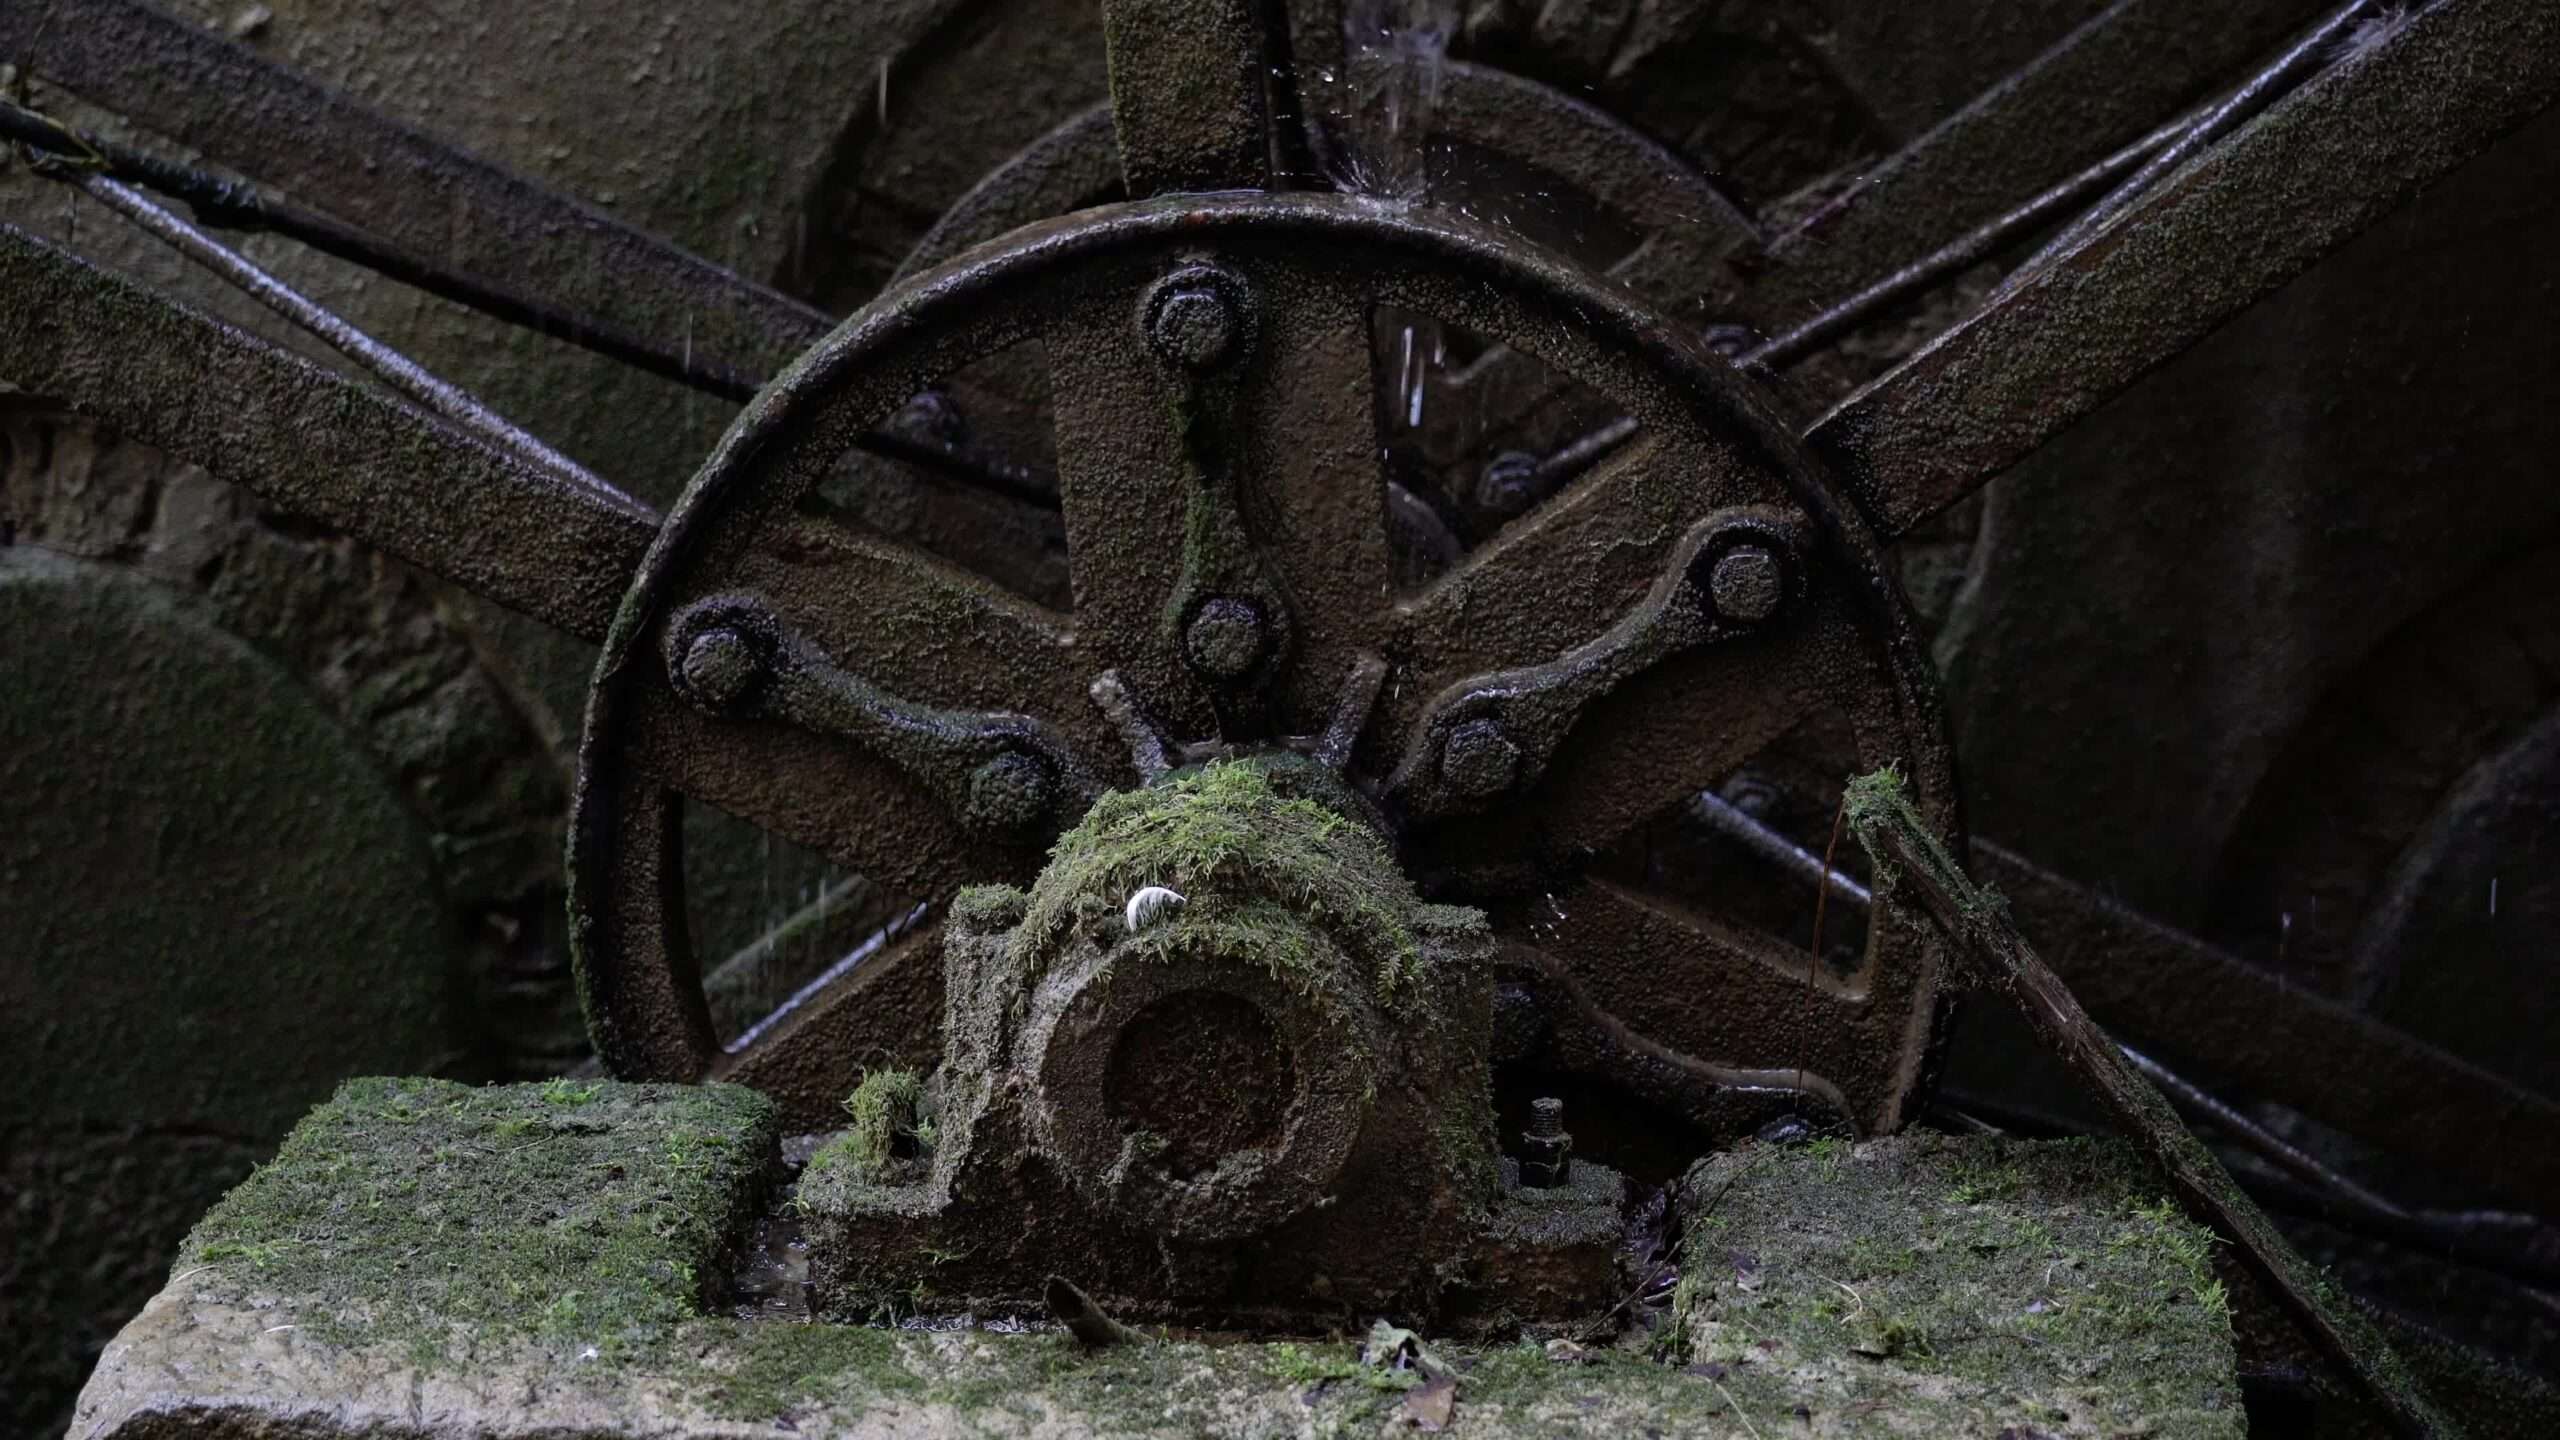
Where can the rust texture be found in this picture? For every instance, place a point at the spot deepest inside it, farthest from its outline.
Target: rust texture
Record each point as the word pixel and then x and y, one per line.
pixel 1186 532
pixel 1195 492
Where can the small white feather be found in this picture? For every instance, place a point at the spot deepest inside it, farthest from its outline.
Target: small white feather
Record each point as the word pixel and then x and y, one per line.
pixel 1148 903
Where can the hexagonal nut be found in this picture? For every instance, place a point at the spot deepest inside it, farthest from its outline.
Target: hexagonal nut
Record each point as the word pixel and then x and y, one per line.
pixel 1226 639
pixel 1747 583
pixel 1195 319
pixel 1010 792
pixel 722 669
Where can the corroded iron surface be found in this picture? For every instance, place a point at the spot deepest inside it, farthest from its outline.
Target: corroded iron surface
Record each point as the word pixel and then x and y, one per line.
pixel 1230 568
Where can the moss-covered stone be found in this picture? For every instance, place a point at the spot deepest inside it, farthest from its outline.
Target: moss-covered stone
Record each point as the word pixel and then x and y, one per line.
pixel 439 1219
pixel 890 1124
pixel 1926 1285
pixel 1249 828
pixel 430 1261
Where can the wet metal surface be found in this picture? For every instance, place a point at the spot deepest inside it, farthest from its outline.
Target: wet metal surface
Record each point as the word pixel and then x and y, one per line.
pixel 1705 583
pixel 2239 221
pixel 1192 482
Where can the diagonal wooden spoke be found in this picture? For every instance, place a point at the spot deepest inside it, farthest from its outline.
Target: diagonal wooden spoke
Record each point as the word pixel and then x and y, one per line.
pixel 430 196
pixel 313 442
pixel 2099 88
pixel 2168 269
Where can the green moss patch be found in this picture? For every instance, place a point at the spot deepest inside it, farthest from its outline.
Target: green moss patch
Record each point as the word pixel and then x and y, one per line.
pixel 436 1216
pixel 536 1259
pixel 890 1124
pixel 1234 836
pixel 1928 1285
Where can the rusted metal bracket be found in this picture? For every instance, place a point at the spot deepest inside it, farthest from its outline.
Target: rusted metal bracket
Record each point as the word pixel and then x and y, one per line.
pixel 1004 774
pixel 1489 735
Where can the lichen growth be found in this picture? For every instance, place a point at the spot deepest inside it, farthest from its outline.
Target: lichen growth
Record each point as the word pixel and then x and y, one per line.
pixel 552 1246
pixel 892 1122
pixel 1948 1286
pixel 436 1216
pixel 1880 800
pixel 1234 838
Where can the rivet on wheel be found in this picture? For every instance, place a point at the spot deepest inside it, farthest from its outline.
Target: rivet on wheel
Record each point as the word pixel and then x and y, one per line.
pixel 1013 791
pixel 1226 639
pixel 1509 484
pixel 931 417
pixel 1478 760
pixel 721 670
pixel 1747 584
pixel 1193 322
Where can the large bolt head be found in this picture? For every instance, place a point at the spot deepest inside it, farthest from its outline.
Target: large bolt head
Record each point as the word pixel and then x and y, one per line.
pixel 722 669
pixel 1509 484
pixel 1479 761
pixel 1195 322
pixel 1013 791
pixel 930 416
pixel 1226 639
pixel 1747 584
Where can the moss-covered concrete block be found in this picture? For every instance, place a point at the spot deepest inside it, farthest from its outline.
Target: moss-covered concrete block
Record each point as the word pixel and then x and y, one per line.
pixel 427 1261
pixel 1925 1285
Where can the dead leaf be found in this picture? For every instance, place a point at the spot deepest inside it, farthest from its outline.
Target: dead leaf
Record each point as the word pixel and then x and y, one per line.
pixel 1392 1347
pixel 1429 1405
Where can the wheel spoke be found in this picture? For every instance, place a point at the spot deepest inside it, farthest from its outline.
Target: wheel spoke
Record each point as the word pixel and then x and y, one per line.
pixel 1314 491
pixel 883 1008
pixel 1127 484
pixel 312 442
pixel 1785 1021
pixel 927 635
pixel 2099 88
pixel 1567 572
pixel 2172 266
pixel 1187 94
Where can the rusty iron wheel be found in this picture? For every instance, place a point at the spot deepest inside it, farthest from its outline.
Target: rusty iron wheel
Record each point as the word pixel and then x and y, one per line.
pixel 1248 469
pixel 2348 118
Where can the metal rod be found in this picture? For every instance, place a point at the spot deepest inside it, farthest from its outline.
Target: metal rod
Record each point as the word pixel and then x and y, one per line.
pixel 2252 97
pixel 1766 841
pixel 1977 926
pixel 1595 445
pixel 2199 1104
pixel 386 364
pixel 872 944
pixel 1968 249
pixel 70 155
pixel 226 204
